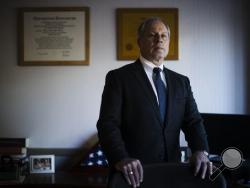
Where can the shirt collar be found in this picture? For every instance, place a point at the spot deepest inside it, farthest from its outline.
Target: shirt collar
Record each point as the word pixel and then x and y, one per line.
pixel 149 65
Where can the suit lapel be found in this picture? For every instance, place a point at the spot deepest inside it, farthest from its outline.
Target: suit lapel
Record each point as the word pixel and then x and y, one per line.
pixel 142 78
pixel 169 96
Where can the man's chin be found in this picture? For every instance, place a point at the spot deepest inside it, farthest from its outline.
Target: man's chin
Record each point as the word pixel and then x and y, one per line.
pixel 159 57
pixel 157 61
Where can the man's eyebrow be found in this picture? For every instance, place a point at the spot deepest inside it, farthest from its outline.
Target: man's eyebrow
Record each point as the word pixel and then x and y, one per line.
pixel 158 32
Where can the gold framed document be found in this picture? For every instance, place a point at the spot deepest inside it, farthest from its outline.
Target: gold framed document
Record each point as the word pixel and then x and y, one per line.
pixel 53 36
pixel 129 19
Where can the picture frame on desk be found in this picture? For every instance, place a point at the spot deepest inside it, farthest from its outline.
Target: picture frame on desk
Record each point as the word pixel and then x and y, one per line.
pixel 42 164
pixel 53 36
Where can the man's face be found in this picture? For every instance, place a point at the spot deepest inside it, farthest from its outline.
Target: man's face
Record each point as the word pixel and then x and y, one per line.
pixel 154 44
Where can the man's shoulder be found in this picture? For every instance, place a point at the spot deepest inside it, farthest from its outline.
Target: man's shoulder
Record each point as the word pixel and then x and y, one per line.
pixel 127 68
pixel 175 74
pixel 125 72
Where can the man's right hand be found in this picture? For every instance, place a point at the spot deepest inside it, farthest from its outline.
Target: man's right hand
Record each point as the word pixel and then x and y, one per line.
pixel 132 171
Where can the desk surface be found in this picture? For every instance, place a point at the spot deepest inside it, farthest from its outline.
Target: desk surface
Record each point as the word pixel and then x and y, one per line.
pixel 74 179
pixel 68 178
pixel 64 179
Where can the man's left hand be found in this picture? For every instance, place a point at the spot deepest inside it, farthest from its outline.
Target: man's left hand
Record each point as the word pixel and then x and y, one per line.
pixel 201 164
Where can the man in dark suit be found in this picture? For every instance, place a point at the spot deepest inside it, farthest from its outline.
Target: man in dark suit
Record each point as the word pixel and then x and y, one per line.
pixel 144 107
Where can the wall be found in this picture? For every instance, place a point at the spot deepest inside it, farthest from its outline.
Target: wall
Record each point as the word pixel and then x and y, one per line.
pixel 58 106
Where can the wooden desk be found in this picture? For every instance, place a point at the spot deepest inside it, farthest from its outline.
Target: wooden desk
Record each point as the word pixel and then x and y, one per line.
pixel 76 180
pixel 63 179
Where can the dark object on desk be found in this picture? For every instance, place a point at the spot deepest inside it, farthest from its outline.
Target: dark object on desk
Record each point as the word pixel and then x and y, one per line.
pixel 10 171
pixel 169 175
pixel 14 142
pixel 229 130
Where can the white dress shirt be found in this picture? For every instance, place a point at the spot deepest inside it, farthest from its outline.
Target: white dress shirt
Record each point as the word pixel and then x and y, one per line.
pixel 148 68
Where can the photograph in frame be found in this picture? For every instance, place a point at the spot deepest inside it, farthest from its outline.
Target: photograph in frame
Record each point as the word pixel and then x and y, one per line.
pixel 53 36
pixel 128 21
pixel 42 164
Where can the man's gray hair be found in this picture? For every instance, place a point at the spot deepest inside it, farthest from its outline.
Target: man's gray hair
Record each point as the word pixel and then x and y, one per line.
pixel 147 22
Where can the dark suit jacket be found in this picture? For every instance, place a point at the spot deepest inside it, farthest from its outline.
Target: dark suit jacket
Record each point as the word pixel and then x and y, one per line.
pixel 130 124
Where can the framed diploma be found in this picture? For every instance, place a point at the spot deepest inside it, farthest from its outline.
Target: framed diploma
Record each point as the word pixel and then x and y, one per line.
pixel 53 36
pixel 129 19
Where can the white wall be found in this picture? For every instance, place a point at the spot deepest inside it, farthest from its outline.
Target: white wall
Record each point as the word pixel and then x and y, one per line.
pixel 58 106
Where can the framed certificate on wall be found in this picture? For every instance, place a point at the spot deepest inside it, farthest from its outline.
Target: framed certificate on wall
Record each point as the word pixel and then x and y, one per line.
pixel 53 36
pixel 129 19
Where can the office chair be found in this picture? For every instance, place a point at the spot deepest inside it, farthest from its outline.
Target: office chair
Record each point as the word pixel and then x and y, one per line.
pixel 168 176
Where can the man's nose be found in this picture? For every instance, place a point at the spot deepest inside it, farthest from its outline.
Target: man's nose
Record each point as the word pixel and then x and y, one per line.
pixel 158 38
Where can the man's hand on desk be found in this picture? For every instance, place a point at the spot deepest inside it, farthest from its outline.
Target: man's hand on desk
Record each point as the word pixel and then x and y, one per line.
pixel 132 171
pixel 201 164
